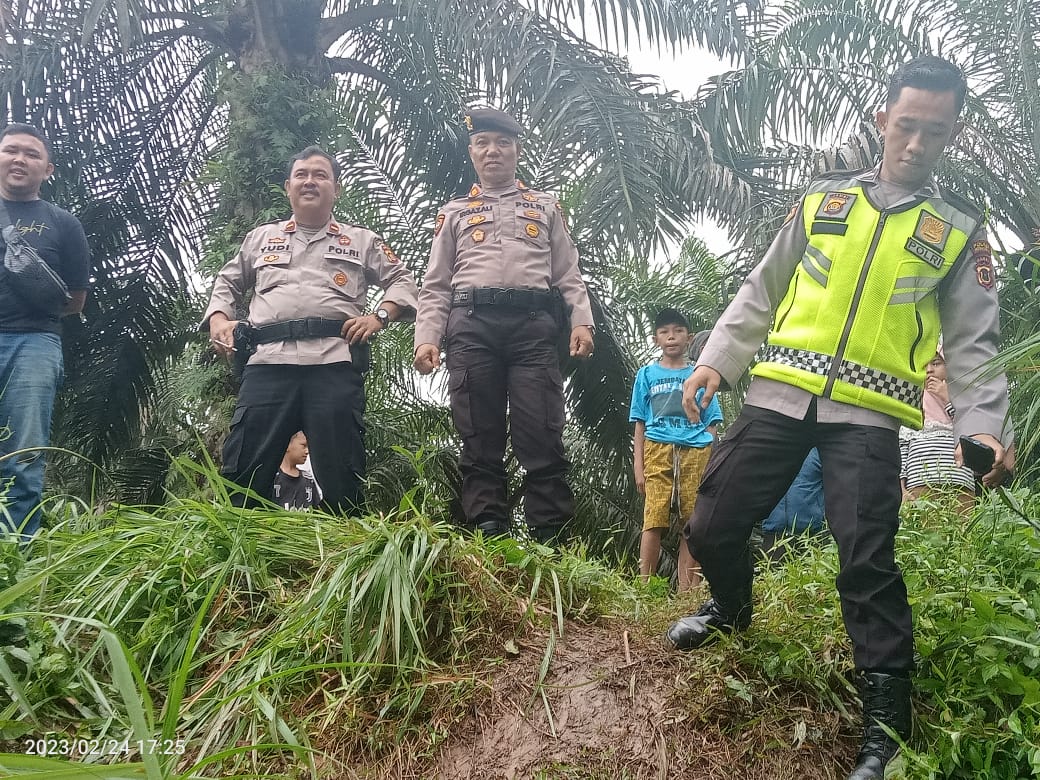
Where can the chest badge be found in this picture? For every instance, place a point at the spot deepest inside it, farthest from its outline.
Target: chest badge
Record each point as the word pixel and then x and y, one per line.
pixel 340 279
pixel 532 214
pixel 474 204
pixel 529 197
pixel 932 230
pixel 476 219
pixel 344 240
pixel 478 236
pixel 836 205
pixel 271 258
pixel 532 230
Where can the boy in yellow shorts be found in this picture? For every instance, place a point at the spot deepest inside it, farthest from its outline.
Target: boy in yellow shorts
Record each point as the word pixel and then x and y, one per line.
pixel 670 451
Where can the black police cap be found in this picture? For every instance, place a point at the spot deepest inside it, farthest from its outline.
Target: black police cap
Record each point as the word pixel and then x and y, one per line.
pixel 480 120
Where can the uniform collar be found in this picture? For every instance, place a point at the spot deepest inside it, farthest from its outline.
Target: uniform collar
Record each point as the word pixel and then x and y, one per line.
pixel 476 190
pixel 332 227
pixel 930 189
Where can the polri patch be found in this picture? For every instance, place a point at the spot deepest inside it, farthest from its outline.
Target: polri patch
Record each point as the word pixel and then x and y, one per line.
pixel 921 250
pixel 836 205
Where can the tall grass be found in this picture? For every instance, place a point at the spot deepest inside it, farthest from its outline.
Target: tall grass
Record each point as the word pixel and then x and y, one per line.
pixel 223 628
pixel 263 643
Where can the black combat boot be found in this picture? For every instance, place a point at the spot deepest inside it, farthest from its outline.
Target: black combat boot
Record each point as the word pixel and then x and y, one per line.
pixel 886 699
pixel 708 623
pixel 491 528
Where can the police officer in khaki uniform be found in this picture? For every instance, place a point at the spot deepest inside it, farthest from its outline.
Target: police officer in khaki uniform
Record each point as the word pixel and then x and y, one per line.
pixel 502 281
pixel 309 276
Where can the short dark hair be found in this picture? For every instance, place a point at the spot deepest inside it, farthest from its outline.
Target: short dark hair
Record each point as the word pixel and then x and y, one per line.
pixel 670 317
pixel 20 128
pixel 928 72
pixel 315 151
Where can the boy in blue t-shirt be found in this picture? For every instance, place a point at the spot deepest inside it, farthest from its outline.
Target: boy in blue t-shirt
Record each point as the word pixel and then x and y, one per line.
pixel 670 451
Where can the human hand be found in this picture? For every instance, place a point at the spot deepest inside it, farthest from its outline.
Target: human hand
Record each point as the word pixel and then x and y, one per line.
pixel 640 482
pixel 581 341
pixel 702 377
pixel 361 329
pixel 222 334
pixel 996 475
pixel 427 358
pixel 938 388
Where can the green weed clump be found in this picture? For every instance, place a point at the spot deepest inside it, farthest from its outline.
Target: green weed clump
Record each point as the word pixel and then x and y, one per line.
pixel 253 641
pixel 974 586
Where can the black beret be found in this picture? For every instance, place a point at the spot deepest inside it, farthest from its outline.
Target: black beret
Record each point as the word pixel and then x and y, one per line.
pixel 480 120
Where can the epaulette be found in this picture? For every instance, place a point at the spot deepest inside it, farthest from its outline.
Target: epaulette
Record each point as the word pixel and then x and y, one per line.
pixel 963 204
pixel 840 173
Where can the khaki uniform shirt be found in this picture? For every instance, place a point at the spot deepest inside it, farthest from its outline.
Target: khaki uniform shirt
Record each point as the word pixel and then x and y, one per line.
pixel 510 238
pixel 293 277
pixel 968 310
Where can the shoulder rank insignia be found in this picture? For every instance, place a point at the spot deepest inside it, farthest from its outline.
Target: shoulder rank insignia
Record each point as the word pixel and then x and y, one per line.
pixel 478 236
pixel 474 191
pixel 438 224
pixel 791 213
pixel 563 217
pixel 932 230
pixel 393 258
pixel 290 226
pixel 836 205
pixel 520 185
pixel 531 229
pixel 333 229
pixel 476 219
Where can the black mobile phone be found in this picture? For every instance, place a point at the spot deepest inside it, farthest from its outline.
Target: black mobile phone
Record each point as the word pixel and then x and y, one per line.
pixel 977 456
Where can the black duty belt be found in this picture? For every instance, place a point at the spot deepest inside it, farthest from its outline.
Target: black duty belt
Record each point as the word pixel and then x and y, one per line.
pixel 516 298
pixel 292 330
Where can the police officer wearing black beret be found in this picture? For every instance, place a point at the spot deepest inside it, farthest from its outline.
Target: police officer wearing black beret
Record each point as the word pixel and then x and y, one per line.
pixel 502 281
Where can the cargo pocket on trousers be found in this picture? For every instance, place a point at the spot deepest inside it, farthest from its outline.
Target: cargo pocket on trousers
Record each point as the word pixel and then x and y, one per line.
pixel 720 453
pixel 233 443
pixel 461 403
pixel 555 412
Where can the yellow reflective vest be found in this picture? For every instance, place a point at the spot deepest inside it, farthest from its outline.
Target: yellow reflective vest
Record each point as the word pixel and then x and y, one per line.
pixel 860 321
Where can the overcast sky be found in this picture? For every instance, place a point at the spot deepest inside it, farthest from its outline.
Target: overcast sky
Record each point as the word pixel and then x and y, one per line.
pixel 684 75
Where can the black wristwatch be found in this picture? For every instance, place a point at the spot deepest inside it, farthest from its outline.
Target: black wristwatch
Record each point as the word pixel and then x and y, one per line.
pixel 384 317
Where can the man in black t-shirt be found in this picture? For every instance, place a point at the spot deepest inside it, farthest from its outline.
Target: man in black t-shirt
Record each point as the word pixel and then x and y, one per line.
pixel 293 487
pixel 31 367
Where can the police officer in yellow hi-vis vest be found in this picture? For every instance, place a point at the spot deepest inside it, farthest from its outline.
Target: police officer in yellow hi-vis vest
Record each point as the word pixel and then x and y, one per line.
pixel 850 299
pixel 502 281
pixel 309 277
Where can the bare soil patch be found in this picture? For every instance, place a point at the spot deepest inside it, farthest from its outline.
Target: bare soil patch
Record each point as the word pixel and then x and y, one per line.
pixel 611 705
